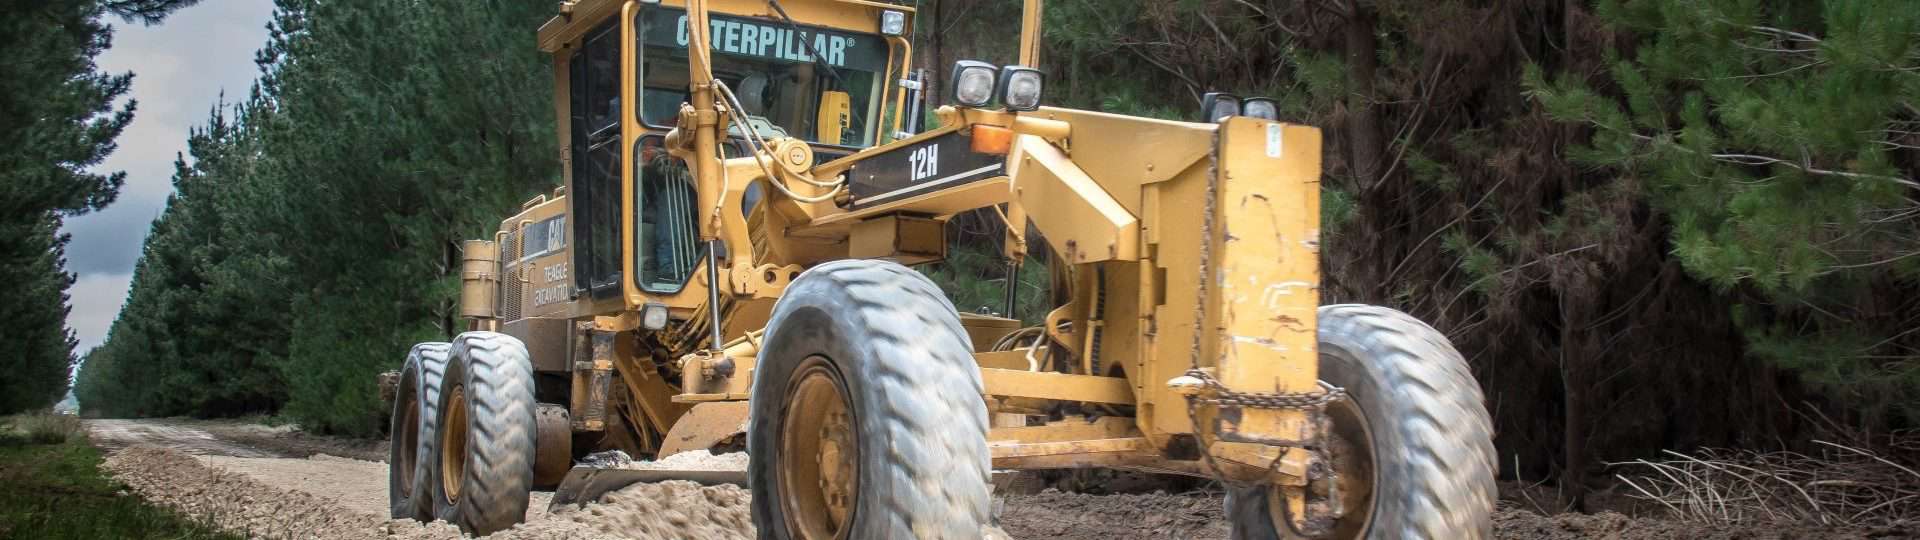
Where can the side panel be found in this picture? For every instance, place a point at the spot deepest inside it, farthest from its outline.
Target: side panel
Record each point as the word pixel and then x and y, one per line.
pixel 943 162
pixel 1266 237
pixel 546 340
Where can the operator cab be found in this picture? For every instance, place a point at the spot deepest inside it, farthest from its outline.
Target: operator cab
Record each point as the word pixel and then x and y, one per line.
pixel 824 85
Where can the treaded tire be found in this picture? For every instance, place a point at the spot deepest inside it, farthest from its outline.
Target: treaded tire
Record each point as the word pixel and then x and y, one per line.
pixel 491 371
pixel 921 424
pixel 412 432
pixel 1432 438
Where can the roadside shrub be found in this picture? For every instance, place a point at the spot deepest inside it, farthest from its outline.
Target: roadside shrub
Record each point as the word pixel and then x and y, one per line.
pixel 47 427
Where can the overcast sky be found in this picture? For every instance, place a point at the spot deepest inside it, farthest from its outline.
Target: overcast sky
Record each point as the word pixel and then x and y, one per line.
pixel 180 67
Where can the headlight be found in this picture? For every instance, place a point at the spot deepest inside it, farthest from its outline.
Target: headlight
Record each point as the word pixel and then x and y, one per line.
pixel 893 23
pixel 1218 106
pixel 1020 88
pixel 653 316
pixel 972 83
pixel 1259 107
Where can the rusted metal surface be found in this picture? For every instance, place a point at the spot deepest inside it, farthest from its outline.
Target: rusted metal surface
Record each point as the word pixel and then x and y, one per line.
pixel 552 445
pixel 592 378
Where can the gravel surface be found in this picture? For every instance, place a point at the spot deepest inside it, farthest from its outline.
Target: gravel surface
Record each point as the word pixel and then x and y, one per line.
pixel 117 434
pixel 328 497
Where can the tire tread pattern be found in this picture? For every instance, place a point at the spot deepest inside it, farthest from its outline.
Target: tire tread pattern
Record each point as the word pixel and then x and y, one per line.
pixel 500 433
pixel 1443 456
pixel 936 473
pixel 1433 437
pixel 420 379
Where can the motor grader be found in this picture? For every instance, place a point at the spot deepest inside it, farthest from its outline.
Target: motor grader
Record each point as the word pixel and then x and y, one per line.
pixel 728 267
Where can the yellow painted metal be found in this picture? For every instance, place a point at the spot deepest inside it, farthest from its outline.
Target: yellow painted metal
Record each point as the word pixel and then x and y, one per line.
pixel 819 459
pixel 851 15
pixel 1030 17
pixel 901 49
pixel 704 426
pixel 479 279
pixel 1020 383
pixel 834 116
pixel 1199 241
pixel 1266 235
pixel 902 238
pixel 1082 222
pixel 1015 359
pixel 984 330
pixel 1123 445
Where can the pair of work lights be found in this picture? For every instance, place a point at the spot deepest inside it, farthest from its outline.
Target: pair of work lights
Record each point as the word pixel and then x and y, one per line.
pixel 979 84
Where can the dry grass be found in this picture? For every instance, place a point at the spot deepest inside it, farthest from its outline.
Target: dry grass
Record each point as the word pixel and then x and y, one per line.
pixel 1841 485
pixel 47 427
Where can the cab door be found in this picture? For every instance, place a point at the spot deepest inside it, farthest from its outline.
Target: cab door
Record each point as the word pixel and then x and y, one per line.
pixel 596 110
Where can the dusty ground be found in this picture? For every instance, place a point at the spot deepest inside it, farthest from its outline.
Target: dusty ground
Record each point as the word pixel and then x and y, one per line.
pixel 118 434
pixel 262 491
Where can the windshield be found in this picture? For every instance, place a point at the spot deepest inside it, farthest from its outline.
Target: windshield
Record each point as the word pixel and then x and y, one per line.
pixel 772 67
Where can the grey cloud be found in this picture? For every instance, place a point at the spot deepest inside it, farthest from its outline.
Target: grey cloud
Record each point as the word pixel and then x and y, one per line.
pixel 180 69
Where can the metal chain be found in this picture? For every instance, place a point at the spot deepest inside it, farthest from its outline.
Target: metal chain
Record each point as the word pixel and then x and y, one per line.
pixel 1302 401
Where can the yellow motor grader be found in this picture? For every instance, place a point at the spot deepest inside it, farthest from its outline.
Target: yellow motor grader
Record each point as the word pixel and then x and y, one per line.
pixel 728 267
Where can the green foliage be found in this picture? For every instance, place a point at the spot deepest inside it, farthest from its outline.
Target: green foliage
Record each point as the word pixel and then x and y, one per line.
pixel 1778 136
pixel 39 346
pixel 58 492
pixel 975 278
pixel 314 230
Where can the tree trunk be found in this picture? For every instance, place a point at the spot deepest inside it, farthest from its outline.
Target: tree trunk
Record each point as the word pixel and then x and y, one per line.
pixel 1363 119
pixel 1574 384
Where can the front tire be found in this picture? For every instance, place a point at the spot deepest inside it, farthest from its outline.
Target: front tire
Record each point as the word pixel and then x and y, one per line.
pixel 1414 414
pixel 866 413
pixel 484 467
pixel 415 412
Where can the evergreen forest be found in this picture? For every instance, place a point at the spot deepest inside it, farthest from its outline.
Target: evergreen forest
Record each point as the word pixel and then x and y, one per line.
pixel 1648 224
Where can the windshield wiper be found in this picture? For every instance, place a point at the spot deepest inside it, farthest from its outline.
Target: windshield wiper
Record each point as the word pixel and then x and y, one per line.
pixel 804 42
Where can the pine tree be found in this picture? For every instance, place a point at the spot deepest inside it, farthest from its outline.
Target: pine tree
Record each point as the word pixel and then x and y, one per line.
pixel 1781 138
pixel 39 346
pixel 57 119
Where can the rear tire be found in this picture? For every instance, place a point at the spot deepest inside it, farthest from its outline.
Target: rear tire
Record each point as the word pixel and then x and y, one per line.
pixel 1431 439
pixel 415 410
pixel 889 345
pixel 484 466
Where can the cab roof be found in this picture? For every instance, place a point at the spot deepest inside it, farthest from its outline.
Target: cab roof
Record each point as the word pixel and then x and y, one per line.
pixel 579 16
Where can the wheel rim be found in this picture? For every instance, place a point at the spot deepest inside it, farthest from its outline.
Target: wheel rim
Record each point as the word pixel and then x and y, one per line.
pixel 453 444
pixel 819 460
pixel 408 439
pixel 1351 446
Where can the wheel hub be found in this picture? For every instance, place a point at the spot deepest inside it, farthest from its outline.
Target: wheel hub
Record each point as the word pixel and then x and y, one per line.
pixel 819 456
pixel 1338 499
pixel 453 444
pixel 408 437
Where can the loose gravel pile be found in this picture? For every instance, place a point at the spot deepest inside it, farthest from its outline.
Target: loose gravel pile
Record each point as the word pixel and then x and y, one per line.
pixel 234 502
pixel 239 502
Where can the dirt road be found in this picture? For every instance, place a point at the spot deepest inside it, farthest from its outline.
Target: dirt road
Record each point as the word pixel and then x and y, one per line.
pixel 260 492
pixel 117 434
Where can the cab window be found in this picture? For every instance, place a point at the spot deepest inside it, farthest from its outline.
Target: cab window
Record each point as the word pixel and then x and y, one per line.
pixel 667 245
pixel 818 85
pixel 594 102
